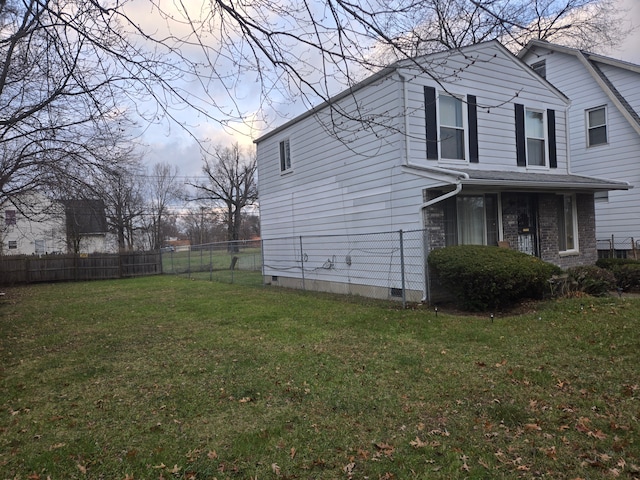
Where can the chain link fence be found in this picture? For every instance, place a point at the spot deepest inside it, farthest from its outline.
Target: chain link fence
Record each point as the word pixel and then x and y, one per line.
pixel 230 262
pixel 388 265
pixel 618 247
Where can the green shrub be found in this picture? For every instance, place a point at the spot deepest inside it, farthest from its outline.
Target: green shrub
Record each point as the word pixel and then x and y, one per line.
pixel 614 263
pixel 628 276
pixel 626 271
pixel 483 278
pixel 592 279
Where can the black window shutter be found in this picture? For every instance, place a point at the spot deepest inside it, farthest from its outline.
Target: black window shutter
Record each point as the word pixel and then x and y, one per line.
pixel 551 133
pixel 472 114
pixel 431 122
pixel 521 150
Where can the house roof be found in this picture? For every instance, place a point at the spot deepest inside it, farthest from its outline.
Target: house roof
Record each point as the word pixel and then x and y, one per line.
pixel 535 181
pixel 85 216
pixel 592 63
pixel 409 63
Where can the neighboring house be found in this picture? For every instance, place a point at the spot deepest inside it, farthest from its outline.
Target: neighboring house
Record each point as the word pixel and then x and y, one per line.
pixel 34 227
pixel 86 226
pixel 604 137
pixel 469 145
pixel 41 226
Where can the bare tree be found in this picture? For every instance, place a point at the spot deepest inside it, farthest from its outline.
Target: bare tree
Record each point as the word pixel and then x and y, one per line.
pixel 163 187
pixel 56 104
pixel 75 72
pixel 201 224
pixel 121 188
pixel 230 184
pixel 438 25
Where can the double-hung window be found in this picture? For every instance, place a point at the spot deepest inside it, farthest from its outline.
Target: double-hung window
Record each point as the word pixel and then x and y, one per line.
pixel 534 128
pixel 596 126
pixel 285 156
pixel 451 128
pixel 567 223
pixel 535 137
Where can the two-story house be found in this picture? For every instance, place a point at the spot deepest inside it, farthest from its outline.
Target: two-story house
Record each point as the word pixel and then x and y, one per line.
pixel 39 226
pixel 604 134
pixel 467 146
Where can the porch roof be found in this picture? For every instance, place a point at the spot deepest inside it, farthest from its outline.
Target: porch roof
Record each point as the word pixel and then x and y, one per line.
pixel 537 181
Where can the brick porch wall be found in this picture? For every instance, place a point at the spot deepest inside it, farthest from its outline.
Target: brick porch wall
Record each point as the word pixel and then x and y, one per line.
pixel 547 227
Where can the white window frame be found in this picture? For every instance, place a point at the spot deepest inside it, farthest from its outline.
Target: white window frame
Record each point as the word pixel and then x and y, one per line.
pixel 12 244
pixel 463 128
pixel 592 127
pixel 562 222
pixel 544 139
pixel 284 155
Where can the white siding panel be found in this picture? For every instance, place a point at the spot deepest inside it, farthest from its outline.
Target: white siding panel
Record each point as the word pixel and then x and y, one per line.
pixel 626 82
pixel 619 159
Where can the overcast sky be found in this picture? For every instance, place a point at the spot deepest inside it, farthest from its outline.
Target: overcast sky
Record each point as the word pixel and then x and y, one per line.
pixel 172 144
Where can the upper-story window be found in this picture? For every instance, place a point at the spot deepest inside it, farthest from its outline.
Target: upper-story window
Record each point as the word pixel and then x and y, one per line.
pixel 536 144
pixel 535 137
pixel 596 126
pixel 540 68
pixel 451 128
pixel 285 156
pixel 10 217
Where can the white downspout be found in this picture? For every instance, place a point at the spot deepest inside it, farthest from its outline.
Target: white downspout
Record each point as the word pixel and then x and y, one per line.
pixel 421 168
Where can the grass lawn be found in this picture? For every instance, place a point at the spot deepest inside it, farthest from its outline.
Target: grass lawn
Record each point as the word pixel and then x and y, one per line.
pixel 167 378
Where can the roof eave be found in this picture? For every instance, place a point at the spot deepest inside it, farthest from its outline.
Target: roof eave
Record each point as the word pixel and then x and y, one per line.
pixel 546 186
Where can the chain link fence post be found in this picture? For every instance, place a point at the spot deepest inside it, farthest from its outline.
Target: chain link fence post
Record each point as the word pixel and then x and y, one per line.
pixel 302 263
pixel 402 272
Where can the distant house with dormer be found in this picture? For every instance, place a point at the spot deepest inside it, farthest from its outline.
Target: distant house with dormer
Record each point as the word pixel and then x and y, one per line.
pixel 604 134
pixel 39 226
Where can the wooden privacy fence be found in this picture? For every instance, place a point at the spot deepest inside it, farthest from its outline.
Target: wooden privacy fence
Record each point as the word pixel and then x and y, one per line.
pixel 61 268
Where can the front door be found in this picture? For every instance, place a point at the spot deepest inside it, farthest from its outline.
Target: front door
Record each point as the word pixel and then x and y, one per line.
pixel 527 224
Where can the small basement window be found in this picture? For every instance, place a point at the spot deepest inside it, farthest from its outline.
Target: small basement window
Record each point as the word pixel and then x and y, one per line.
pixel 396 292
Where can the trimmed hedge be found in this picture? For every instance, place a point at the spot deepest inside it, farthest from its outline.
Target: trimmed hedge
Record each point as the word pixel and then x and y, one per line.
pixel 483 277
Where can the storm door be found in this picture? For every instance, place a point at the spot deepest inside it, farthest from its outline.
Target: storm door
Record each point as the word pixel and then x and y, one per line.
pixel 527 215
